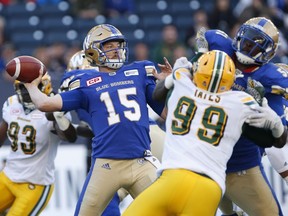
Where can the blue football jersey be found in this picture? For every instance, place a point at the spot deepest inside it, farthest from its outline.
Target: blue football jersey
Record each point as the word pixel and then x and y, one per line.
pixel 246 154
pixel 117 103
pixel 82 114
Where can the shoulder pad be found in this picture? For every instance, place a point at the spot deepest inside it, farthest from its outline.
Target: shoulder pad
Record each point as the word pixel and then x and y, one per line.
pixel 177 74
pixel 74 85
pixel 249 101
pixel 149 69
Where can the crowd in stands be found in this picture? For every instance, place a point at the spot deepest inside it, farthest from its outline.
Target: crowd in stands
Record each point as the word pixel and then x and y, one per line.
pixel 172 37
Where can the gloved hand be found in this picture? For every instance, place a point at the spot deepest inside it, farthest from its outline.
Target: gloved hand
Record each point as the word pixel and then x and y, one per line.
pixel 266 118
pixel 61 120
pixel 201 42
pixel 256 90
pixel 182 62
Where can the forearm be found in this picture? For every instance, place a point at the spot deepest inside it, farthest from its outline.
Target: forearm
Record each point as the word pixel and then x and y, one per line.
pixel 162 88
pixel 69 134
pixel 43 102
pixel 3 132
pixel 279 142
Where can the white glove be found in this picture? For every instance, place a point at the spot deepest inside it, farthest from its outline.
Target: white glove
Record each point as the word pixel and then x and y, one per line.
pixel 182 62
pixel 61 120
pixel 201 42
pixel 266 118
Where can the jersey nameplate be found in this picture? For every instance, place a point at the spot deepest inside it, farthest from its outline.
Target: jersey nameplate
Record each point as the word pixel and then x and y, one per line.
pixel 131 73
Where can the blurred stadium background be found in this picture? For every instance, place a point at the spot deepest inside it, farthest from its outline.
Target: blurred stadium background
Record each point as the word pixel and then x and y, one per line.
pixel 53 30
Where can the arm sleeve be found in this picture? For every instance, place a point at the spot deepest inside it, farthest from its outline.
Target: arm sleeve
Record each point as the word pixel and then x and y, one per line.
pixel 278 158
pixel 259 136
pixel 73 100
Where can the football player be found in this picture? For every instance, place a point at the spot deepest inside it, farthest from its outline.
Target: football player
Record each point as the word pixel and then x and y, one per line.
pixel 203 124
pixel 279 157
pixel 116 98
pixel 27 180
pixel 252 48
pixel 77 65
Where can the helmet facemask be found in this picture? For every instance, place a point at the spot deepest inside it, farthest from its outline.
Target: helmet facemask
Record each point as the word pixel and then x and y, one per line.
pixel 114 63
pixel 256 41
pixel 24 97
pixel 94 47
pixel 23 94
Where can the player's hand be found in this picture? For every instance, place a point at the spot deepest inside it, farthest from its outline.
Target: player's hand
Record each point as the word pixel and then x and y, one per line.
pixel 58 114
pixel 165 70
pixel 182 62
pixel 256 90
pixel 35 82
pixel 266 118
pixel 201 42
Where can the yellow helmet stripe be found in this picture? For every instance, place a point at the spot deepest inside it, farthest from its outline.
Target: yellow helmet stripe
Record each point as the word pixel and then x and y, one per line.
pixel 217 72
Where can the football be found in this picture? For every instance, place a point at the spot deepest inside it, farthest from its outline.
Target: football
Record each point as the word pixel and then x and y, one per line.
pixel 25 68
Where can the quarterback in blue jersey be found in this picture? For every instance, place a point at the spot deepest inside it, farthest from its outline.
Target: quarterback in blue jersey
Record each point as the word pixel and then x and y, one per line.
pixel 116 98
pixel 252 48
pixel 77 64
pixel 279 157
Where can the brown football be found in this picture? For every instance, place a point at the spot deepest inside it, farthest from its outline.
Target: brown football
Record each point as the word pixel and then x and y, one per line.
pixel 25 68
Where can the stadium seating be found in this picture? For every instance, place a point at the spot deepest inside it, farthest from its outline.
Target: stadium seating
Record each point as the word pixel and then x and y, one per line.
pixel 56 21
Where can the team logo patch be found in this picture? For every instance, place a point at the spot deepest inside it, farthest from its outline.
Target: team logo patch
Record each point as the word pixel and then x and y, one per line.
pixel 94 81
pixel 112 74
pixel 15 111
pixel 31 186
pixel 106 166
pixel 131 73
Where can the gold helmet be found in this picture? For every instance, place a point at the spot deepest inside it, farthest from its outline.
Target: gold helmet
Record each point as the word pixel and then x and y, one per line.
pixel 256 41
pixel 45 86
pixel 78 61
pixel 214 72
pixel 93 46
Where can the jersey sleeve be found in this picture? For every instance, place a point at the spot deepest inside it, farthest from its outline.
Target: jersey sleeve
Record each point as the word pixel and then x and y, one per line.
pixel 74 99
pixel 150 82
pixel 219 40
pixel 6 112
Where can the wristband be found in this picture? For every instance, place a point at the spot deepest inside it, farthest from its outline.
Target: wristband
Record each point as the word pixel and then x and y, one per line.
pixel 278 129
pixel 168 83
pixel 61 120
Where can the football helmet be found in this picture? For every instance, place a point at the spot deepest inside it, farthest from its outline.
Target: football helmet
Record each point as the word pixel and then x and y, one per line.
pixel 214 72
pixel 256 41
pixel 45 86
pixel 78 61
pixel 93 46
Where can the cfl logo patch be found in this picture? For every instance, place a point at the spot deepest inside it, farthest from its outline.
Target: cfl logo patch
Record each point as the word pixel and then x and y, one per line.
pixel 94 81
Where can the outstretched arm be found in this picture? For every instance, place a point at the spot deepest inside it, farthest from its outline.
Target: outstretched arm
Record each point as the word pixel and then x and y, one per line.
pixel 43 102
pixel 3 132
pixel 165 70
pixel 267 118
